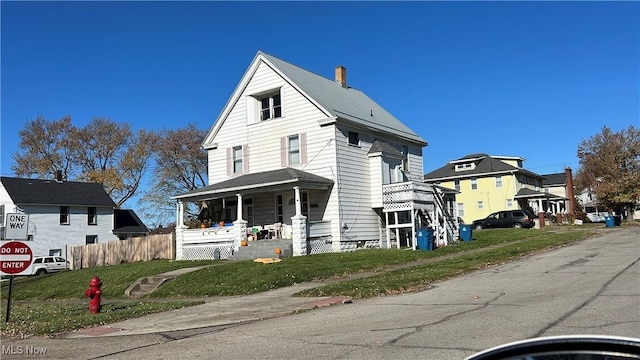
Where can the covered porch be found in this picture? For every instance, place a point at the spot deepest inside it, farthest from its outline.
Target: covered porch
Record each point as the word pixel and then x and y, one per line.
pixel 541 202
pixel 280 204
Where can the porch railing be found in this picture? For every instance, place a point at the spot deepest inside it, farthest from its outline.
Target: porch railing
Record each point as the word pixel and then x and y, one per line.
pixel 207 243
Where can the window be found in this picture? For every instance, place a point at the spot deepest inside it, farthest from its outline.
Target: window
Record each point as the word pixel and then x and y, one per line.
pixel 293 149
pixel 270 106
pixel 498 181
pixel 474 184
pixel 91 239
pixel 305 203
pixel 405 161
pixel 465 166
pixel 92 216
pixel 237 159
pixel 279 208
pixel 509 203
pixel 354 138
pixel 457 185
pixel 64 215
pixel 461 210
pixel 480 205
pixel 56 252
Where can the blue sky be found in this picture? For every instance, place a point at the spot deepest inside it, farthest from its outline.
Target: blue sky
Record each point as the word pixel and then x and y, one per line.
pixel 529 79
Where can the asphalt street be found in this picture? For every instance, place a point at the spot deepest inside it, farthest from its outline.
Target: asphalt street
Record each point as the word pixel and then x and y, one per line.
pixel 591 287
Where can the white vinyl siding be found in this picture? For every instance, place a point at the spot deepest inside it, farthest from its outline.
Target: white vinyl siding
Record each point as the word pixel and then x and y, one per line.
pixel 46 220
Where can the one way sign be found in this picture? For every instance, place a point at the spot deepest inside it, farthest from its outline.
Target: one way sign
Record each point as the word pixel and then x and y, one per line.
pixel 16 228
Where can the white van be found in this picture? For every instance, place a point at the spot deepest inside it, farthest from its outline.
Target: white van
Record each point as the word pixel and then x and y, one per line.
pixel 594 214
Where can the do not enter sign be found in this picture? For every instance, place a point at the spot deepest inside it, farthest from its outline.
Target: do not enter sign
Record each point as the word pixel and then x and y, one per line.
pixel 15 257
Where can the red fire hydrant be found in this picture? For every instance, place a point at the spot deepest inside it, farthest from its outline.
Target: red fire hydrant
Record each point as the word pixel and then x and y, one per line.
pixel 94 294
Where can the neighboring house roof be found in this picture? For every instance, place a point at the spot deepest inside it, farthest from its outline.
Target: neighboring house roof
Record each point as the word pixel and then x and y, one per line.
pixel 557 179
pixel 127 222
pixel 485 164
pixel 163 230
pixel 259 181
pixel 54 193
pixel 342 103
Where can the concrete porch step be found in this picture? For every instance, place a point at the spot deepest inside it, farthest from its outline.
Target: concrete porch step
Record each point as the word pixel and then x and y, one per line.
pixel 263 249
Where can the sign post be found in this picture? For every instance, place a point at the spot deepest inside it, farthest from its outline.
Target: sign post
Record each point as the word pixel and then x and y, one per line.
pixel 15 256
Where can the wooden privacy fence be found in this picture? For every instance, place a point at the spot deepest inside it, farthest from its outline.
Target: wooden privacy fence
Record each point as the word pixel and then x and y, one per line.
pixel 151 247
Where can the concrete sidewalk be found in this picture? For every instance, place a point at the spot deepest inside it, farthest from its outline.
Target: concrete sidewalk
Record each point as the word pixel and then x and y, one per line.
pixel 217 311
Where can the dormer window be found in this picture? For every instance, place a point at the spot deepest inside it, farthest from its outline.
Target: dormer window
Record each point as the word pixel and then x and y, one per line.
pixel 270 106
pixel 465 166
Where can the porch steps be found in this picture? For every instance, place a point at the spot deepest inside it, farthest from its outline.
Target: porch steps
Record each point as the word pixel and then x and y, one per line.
pixel 263 249
pixel 146 285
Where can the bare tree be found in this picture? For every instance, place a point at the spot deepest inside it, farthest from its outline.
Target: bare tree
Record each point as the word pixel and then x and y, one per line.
pixel 44 148
pixel 104 152
pixel 610 167
pixel 181 166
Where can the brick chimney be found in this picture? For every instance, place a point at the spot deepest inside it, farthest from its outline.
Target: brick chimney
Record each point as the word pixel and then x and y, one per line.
pixel 341 76
pixel 570 195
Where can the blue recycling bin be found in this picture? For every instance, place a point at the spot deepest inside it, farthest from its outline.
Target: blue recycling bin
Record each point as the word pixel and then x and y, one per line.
pixel 425 239
pixel 466 231
pixel 609 221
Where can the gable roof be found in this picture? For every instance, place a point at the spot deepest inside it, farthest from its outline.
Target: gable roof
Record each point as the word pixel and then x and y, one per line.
pixel 50 192
pixel 557 179
pixel 485 165
pixel 126 221
pixel 281 178
pixel 348 105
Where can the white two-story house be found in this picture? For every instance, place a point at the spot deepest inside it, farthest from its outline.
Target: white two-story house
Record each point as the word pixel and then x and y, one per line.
pixel 65 213
pixel 313 155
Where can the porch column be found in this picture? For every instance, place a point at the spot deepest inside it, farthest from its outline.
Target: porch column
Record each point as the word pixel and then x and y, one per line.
pixel 540 215
pixel 179 213
pixel 299 227
pixel 239 226
pixel 388 230
pixel 180 229
pixel 296 190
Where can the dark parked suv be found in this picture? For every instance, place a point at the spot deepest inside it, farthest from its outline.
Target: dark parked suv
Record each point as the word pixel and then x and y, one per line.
pixel 506 219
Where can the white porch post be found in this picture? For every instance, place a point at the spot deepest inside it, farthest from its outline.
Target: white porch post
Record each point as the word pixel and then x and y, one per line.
pixel 299 227
pixel 239 226
pixel 386 219
pixel 180 229
pixel 395 215
pixel 413 228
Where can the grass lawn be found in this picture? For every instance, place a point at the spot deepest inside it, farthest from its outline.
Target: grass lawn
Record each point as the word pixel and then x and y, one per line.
pixel 47 305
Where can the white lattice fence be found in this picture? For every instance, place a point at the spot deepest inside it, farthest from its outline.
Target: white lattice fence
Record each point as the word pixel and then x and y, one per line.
pixel 320 246
pixel 207 251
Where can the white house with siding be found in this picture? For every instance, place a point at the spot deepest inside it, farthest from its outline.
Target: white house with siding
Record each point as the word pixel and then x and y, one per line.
pixel 313 155
pixel 64 213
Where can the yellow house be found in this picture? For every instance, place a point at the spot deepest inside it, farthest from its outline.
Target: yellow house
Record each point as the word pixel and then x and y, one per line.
pixel 487 184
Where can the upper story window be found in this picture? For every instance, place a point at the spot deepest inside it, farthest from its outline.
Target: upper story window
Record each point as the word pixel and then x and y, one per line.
pixel 456 185
pixel 92 216
pixel 64 215
pixel 293 149
pixel 354 138
pixel 270 106
pixel 474 184
pixel 237 159
pixel 405 160
pixel 498 181
pixel 480 205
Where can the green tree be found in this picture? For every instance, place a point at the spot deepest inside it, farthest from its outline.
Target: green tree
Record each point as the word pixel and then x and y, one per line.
pixel 610 167
pixel 181 166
